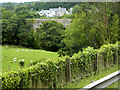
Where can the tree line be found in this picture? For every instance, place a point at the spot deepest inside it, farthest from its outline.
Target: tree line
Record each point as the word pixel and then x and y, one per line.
pixel 37 6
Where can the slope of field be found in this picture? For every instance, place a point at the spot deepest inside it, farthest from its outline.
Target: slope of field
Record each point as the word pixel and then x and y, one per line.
pixel 11 52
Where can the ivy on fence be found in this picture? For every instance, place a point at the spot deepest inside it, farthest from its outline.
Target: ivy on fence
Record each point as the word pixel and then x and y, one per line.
pixel 69 68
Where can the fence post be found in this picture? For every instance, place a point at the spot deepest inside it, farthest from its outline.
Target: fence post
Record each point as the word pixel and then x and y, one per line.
pixel 0 83
pixel 105 59
pixel 31 83
pixel 116 55
pixel 68 70
pixel 52 84
pixel 96 63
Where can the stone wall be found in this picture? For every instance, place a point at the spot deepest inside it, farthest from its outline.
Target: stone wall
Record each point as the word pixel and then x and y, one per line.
pixel 35 23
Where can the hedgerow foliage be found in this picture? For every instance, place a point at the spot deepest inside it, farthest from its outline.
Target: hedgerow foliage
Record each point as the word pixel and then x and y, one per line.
pixel 51 71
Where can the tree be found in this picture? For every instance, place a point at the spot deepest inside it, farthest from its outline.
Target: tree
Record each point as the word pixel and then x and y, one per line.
pixel 108 22
pixel 15 29
pixel 6 14
pixel 76 8
pixel 8 6
pixel 50 35
pixel 94 26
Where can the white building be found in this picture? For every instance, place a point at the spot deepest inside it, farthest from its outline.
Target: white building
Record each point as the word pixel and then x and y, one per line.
pixel 52 12
pixel 47 13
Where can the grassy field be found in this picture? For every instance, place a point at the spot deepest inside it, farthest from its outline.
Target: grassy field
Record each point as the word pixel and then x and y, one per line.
pixel 11 52
pixel 86 81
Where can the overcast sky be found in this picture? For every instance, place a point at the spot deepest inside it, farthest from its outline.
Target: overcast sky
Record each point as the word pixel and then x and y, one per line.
pixel 18 1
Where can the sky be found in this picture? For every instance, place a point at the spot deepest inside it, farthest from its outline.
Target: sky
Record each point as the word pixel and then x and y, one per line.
pixel 18 1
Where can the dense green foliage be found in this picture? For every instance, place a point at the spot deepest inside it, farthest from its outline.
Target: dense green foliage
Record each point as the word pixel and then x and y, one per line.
pixel 93 25
pixel 15 29
pixel 46 5
pixel 50 35
pixel 49 72
pixel 37 6
pixel 76 9
pixel 21 8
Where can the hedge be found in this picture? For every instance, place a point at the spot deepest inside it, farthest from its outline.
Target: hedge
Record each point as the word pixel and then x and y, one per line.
pixel 54 74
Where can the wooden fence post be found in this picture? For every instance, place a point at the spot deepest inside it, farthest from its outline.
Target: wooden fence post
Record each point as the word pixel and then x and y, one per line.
pixel 52 84
pixel 0 84
pixel 96 63
pixel 68 70
pixel 31 83
pixel 105 59
pixel 116 55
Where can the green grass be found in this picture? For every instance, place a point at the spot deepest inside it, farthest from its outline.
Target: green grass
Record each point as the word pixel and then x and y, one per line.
pixel 114 85
pixel 35 55
pixel 86 81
